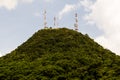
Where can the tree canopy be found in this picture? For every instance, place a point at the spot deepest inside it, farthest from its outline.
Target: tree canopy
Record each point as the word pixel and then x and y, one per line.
pixel 60 54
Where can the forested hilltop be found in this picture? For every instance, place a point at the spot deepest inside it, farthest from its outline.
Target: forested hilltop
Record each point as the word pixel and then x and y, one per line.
pixel 60 54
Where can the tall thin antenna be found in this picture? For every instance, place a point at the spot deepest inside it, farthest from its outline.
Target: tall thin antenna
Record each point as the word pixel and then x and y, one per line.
pixel 76 22
pixel 55 22
pixel 45 22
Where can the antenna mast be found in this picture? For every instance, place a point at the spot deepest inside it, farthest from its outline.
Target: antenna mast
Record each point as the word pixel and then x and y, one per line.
pixel 45 22
pixel 76 22
pixel 55 22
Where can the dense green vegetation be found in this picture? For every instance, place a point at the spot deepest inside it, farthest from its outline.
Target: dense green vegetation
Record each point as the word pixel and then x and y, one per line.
pixel 60 54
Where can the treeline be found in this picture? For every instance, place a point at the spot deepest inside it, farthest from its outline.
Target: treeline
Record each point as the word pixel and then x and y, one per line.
pixel 60 54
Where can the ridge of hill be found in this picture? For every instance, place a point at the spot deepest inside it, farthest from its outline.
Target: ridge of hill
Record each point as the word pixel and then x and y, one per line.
pixel 60 54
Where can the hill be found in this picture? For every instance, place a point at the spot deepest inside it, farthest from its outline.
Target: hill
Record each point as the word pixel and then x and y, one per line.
pixel 60 54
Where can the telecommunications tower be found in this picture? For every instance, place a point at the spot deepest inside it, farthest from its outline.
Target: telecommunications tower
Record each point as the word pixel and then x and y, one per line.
pixel 45 22
pixel 55 22
pixel 76 22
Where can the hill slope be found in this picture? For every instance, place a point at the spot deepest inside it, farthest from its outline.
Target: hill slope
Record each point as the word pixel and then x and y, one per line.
pixel 60 54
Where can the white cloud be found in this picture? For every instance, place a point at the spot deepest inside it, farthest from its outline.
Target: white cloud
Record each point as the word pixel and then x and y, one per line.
pixel 26 1
pixel 67 8
pixel 106 15
pixel 0 55
pixel 37 14
pixel 71 7
pixel 48 0
pixel 86 4
pixel 8 4
pixel 11 4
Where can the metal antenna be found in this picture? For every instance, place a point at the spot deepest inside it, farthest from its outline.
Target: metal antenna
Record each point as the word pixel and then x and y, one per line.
pixel 55 22
pixel 76 22
pixel 45 22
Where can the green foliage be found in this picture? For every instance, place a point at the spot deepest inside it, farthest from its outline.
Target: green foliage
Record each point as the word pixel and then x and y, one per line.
pixel 60 54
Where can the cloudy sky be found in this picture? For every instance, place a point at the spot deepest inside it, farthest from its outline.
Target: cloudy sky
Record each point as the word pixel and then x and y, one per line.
pixel 19 19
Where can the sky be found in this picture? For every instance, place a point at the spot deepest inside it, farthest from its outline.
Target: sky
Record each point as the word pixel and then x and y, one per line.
pixel 20 19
